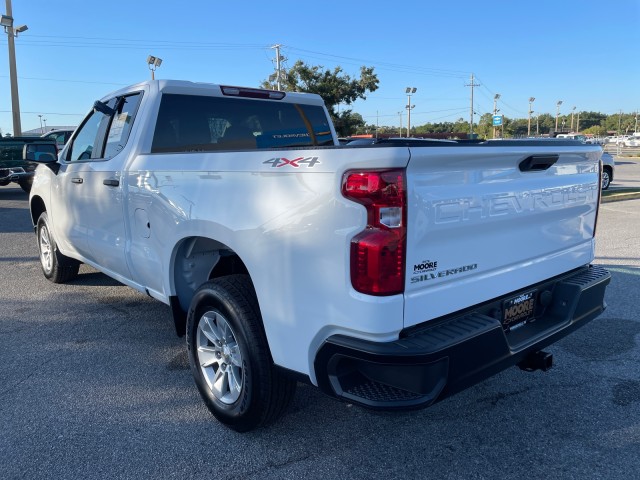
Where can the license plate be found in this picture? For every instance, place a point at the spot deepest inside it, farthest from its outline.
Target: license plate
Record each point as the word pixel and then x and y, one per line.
pixel 517 311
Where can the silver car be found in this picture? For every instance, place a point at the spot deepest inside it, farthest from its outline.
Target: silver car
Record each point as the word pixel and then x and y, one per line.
pixel 608 167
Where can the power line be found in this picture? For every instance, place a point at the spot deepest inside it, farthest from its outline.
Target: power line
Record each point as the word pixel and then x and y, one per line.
pixel 68 81
pixel 387 65
pixel 48 113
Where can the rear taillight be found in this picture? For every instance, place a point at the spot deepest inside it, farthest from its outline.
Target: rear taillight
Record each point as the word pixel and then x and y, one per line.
pixel 378 252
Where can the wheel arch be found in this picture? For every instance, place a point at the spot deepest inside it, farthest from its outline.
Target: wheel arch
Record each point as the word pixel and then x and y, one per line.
pixel 36 207
pixel 194 261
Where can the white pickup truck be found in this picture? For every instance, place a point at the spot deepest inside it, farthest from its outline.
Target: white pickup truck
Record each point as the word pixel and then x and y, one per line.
pixel 390 276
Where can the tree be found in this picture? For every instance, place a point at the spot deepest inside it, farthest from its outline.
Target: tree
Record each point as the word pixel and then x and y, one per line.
pixel 335 87
pixel 347 121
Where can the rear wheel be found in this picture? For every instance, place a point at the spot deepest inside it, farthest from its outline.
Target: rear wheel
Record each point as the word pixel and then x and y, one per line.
pixel 229 356
pixel 56 267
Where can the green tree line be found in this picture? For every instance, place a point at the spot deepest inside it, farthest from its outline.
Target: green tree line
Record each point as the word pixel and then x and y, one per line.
pixel 339 91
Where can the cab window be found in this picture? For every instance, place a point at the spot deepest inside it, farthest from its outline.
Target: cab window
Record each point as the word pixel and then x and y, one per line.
pixel 189 123
pixel 104 135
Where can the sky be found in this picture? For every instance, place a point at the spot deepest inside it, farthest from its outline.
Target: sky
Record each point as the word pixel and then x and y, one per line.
pixel 583 53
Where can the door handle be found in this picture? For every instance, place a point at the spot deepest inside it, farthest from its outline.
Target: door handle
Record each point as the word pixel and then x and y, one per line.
pixel 538 162
pixel 76 180
pixel 111 182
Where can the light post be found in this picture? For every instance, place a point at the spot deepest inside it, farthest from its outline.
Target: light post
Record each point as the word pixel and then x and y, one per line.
pixel 153 63
pixel 495 110
pixel 400 113
pixel 531 100
pixel 410 91
pixel 573 109
pixel 41 130
pixel 7 23
pixel 45 124
pixel 558 112
pixel 537 125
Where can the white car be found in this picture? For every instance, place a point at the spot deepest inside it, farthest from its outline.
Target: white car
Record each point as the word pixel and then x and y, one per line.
pixel 632 141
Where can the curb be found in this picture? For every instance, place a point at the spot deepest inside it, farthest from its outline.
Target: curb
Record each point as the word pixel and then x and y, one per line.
pixel 619 196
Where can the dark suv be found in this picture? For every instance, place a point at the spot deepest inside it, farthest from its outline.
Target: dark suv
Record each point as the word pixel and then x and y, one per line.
pixel 12 167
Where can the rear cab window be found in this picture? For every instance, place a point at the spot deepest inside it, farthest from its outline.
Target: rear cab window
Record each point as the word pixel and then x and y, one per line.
pixel 193 123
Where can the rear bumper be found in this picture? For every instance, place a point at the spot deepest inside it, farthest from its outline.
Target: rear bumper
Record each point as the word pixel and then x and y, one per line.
pixel 441 357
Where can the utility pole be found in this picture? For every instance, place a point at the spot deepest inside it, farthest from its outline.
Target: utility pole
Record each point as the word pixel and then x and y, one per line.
pixel 410 91
pixel 578 123
pixel 400 113
pixel 7 23
pixel 558 112
pixel 41 130
pixel 531 100
pixel 573 109
pixel 495 110
pixel 471 112
pixel 619 122
pixel 278 76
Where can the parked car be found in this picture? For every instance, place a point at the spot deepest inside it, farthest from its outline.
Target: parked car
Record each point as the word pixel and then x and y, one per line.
pixel 608 167
pixel 12 167
pixel 59 136
pixel 390 276
pixel 632 142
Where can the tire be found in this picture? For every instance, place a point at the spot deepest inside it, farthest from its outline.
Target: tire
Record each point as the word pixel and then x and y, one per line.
pixel 56 267
pixel 606 178
pixel 229 356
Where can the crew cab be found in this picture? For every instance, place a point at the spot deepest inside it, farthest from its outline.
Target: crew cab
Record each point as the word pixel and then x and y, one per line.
pixel 390 276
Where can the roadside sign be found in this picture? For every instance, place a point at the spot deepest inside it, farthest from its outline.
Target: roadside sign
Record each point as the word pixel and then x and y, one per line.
pixel 497 120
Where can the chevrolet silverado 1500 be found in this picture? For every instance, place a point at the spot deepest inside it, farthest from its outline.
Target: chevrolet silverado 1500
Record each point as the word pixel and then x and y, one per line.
pixel 391 276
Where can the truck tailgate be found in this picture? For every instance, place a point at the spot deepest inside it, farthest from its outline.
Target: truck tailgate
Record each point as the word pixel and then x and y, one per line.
pixel 485 220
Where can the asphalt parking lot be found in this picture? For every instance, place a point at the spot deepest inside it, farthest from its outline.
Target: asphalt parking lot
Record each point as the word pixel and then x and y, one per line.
pixel 95 384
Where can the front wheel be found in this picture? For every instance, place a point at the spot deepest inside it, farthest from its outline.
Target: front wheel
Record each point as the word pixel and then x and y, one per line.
pixel 606 178
pixel 56 267
pixel 229 356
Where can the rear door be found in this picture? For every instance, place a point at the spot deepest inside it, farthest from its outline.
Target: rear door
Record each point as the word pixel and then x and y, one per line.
pixel 484 221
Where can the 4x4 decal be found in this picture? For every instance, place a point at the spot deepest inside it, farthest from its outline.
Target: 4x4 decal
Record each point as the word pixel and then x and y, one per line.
pixel 296 162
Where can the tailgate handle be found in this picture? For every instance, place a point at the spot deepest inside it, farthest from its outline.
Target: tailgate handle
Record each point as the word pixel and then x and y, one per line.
pixel 536 163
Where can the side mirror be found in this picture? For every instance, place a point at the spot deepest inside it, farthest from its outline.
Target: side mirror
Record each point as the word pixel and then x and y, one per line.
pixel 40 152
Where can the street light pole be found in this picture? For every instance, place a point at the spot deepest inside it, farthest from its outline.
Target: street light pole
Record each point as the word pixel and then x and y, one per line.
pixel 153 62
pixel 573 109
pixel 558 113
pixel 495 110
pixel 7 23
pixel 531 100
pixel 41 130
pixel 410 91
pixel 400 113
